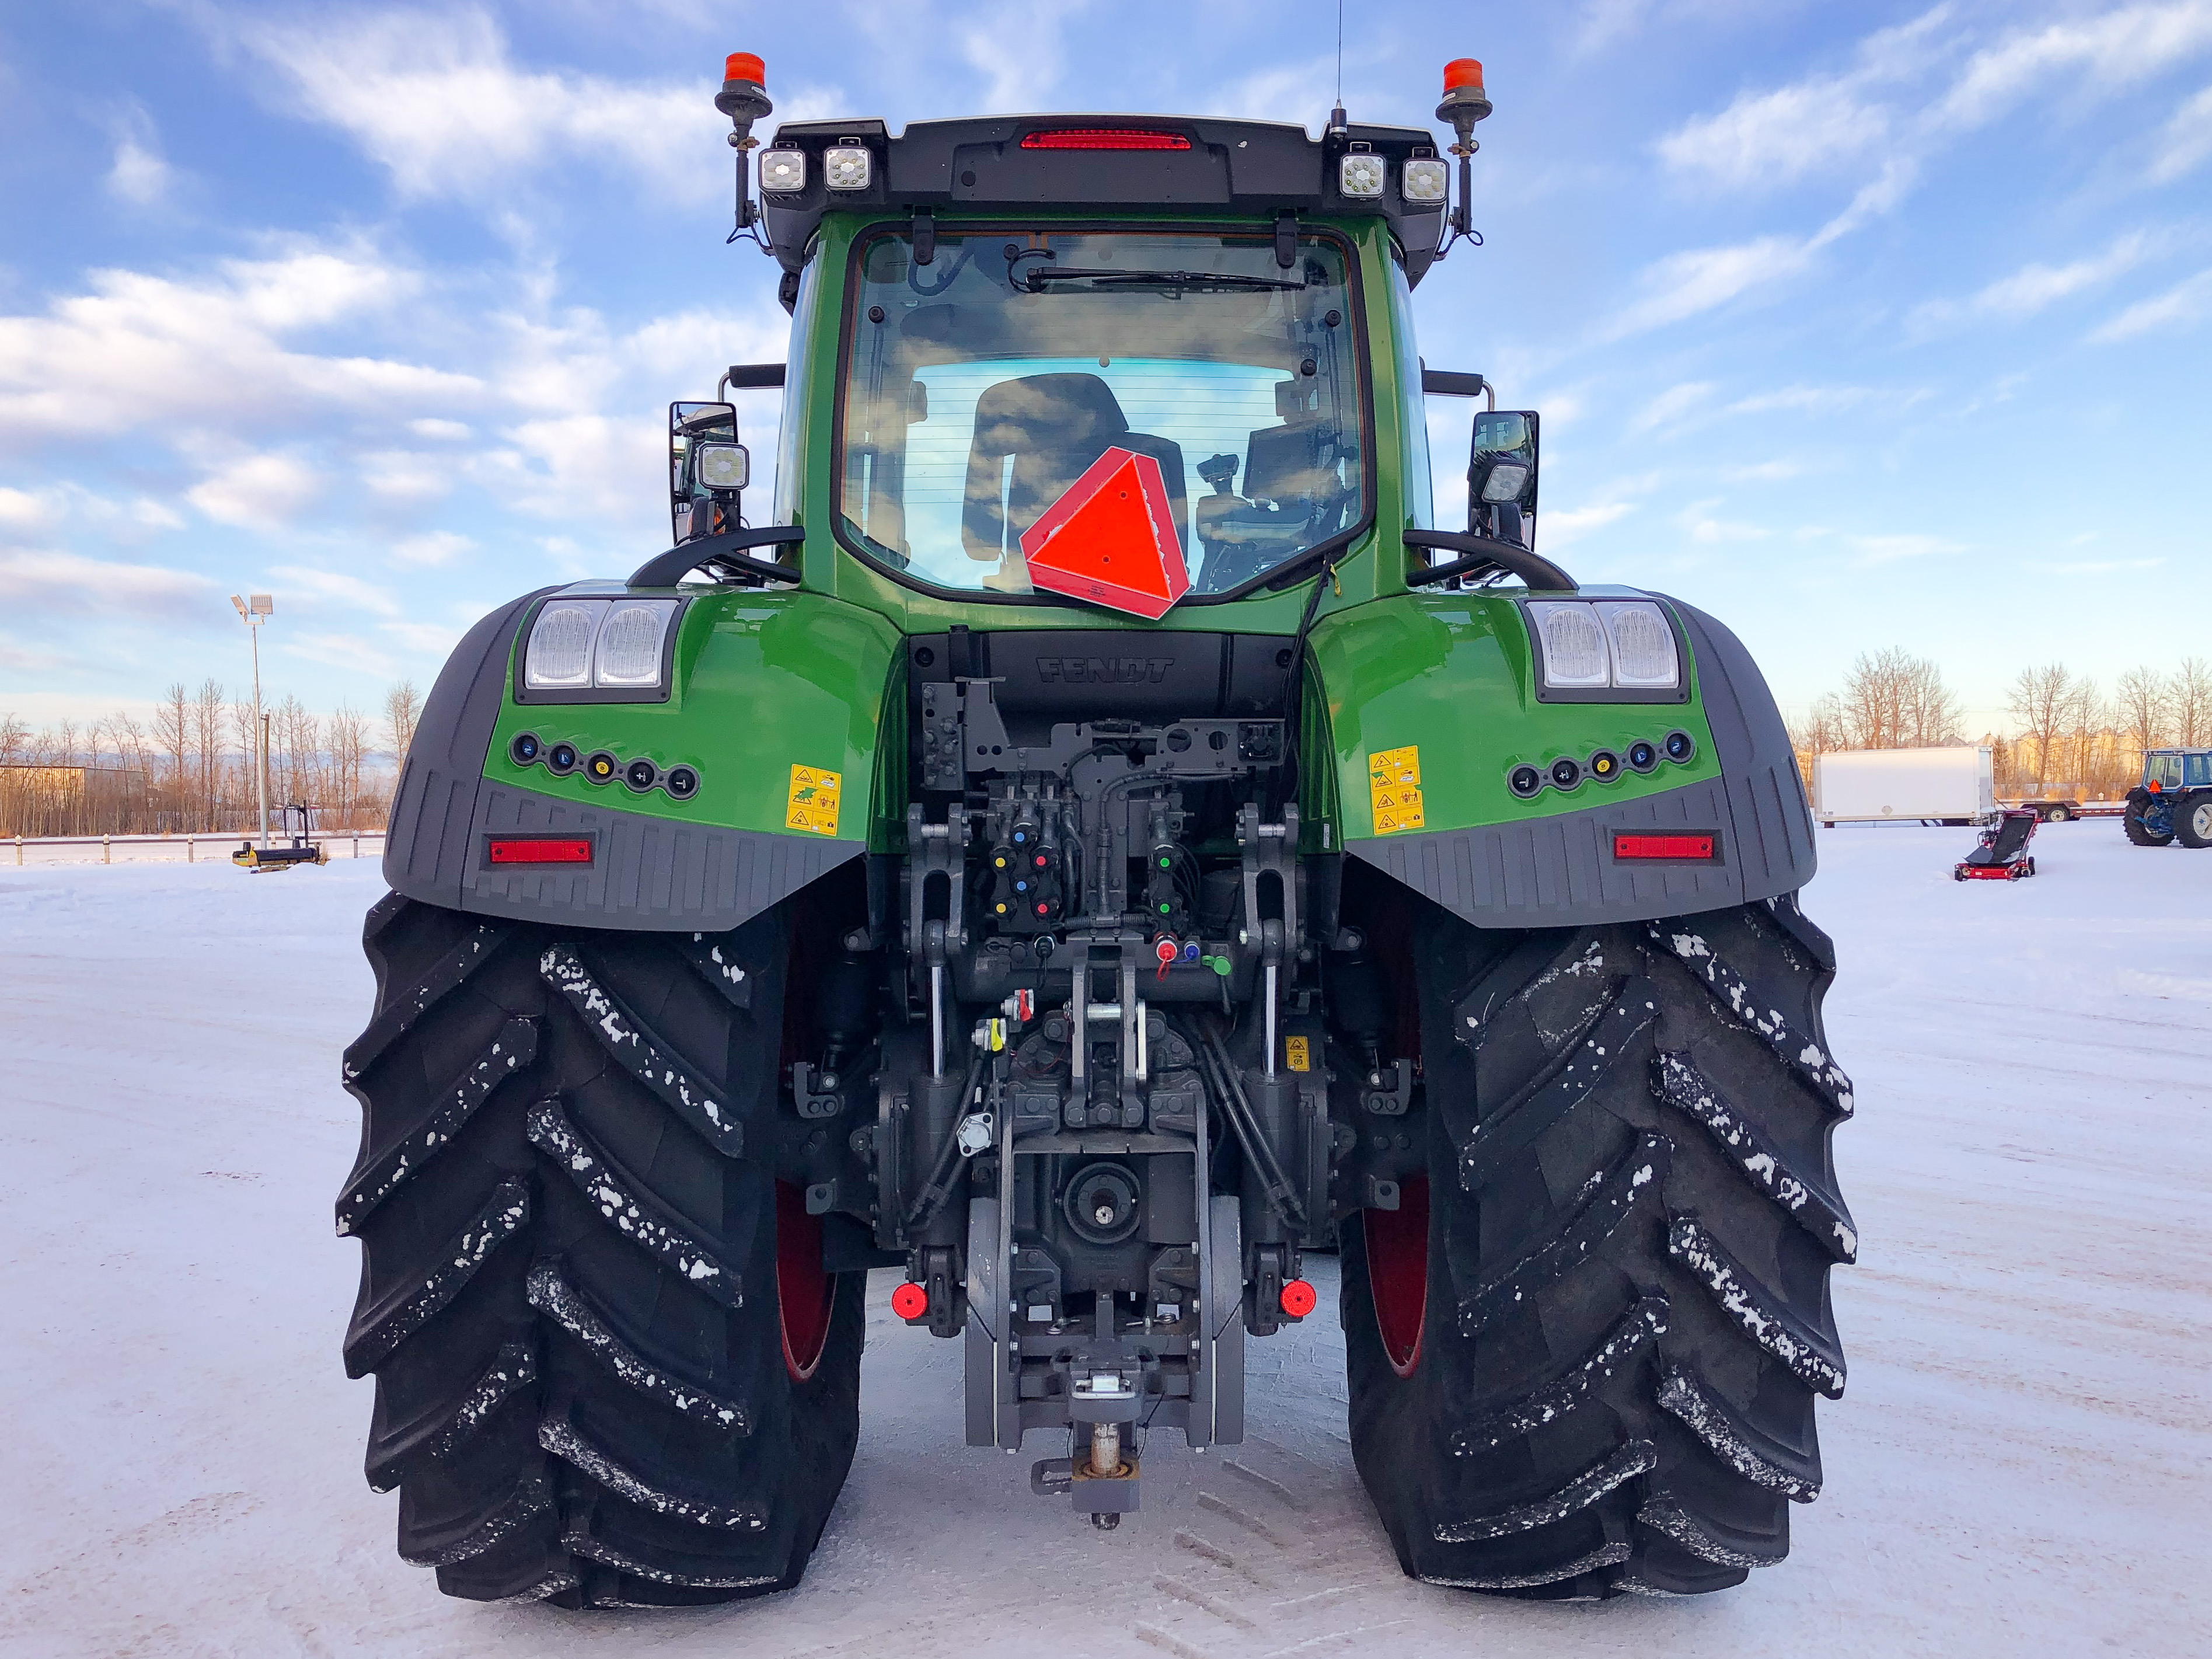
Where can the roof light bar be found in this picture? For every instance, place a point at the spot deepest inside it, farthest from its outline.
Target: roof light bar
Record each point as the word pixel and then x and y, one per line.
pixel 1105 138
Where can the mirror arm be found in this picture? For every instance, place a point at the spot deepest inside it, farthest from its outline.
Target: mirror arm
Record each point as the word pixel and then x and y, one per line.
pixel 667 569
pixel 1451 383
pixel 749 377
pixel 1480 552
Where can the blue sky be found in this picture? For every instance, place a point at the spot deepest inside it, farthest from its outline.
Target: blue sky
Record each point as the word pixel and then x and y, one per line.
pixel 1858 325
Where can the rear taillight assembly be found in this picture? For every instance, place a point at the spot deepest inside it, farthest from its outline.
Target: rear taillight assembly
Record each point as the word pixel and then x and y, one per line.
pixel 540 849
pixel 1663 846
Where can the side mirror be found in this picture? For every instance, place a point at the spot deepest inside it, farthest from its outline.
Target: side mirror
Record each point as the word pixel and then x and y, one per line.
pixel 707 469
pixel 1501 476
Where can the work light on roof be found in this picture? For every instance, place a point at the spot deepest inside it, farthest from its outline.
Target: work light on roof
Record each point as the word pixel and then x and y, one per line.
pixel 783 172
pixel 846 166
pixel 1360 175
pixel 1425 178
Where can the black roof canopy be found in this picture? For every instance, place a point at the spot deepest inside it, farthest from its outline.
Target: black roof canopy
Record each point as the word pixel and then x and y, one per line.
pixel 1259 169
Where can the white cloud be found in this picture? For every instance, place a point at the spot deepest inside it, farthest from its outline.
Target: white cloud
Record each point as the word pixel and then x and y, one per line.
pixel 426 639
pixel 2035 286
pixel 1671 405
pixel 2102 54
pixel 2186 141
pixel 448 431
pixel 21 509
pixel 336 587
pixel 434 547
pixel 435 98
pixel 1019 52
pixel 259 492
pixel 1765 471
pixel 1682 285
pixel 1560 527
pixel 35 512
pixel 2097 567
pixel 55 581
pixel 1698 519
pixel 1812 399
pixel 1883 549
pixel 139 176
pixel 1771 138
pixel 2181 307
pixel 346 651
pixel 400 478
pixel 139 350
pixel 1817 124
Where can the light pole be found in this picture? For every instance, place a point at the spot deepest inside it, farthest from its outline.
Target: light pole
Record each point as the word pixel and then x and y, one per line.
pixel 253 613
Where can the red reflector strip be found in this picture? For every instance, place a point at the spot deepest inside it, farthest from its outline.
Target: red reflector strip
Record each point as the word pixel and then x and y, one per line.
pixel 1104 138
pixel 1663 846
pixel 540 849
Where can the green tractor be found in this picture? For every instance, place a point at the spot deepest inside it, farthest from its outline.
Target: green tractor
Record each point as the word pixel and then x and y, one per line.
pixel 1090 844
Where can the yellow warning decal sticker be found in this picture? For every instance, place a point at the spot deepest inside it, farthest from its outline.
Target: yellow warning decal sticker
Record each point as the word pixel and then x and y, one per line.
pixel 1296 1054
pixel 812 805
pixel 1393 789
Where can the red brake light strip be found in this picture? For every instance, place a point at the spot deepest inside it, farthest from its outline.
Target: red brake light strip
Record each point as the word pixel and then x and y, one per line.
pixel 1105 138
pixel 540 849
pixel 1663 846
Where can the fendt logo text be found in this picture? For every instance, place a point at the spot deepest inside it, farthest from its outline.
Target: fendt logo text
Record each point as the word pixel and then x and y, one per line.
pixel 1104 671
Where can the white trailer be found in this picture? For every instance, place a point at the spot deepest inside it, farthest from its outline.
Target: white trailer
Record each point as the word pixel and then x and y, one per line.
pixel 1938 786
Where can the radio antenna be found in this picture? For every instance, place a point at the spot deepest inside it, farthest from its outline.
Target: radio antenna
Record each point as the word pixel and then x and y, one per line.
pixel 1336 116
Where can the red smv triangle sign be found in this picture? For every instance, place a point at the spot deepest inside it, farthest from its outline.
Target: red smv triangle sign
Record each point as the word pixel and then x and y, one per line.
pixel 1111 538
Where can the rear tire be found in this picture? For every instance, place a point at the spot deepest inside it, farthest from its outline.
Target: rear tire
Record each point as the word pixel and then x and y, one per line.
pixel 609 1368
pixel 2139 832
pixel 1588 1366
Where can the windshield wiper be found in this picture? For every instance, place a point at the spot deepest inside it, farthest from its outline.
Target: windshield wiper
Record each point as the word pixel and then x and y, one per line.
pixel 1217 279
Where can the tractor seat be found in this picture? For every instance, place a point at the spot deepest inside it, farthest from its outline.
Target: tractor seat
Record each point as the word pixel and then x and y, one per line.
pixel 2004 845
pixel 1055 426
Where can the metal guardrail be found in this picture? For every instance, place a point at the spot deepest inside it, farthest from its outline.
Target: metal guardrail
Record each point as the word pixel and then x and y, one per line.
pixel 107 844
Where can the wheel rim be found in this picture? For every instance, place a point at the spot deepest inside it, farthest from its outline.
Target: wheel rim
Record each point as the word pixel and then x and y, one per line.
pixel 802 1288
pixel 1398 1273
pixel 2200 820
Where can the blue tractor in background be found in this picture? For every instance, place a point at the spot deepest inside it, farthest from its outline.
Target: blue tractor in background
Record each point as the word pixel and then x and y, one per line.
pixel 2174 802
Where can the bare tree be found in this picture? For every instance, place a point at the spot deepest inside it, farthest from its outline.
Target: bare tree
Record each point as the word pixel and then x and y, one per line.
pixel 1824 728
pixel 207 749
pixel 2042 700
pixel 346 740
pixel 2141 700
pixel 172 732
pixel 15 739
pixel 246 739
pixel 1931 710
pixel 1893 700
pixel 2190 694
pixel 298 740
pixel 403 706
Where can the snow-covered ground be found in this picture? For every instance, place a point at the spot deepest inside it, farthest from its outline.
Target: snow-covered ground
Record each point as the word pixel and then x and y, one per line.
pixel 2020 1466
